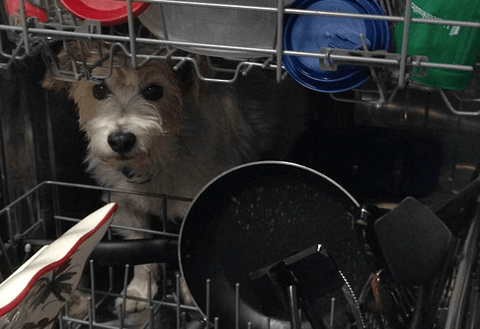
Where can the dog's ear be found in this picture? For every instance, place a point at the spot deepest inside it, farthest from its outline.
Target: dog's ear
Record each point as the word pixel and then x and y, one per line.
pixel 188 75
pixel 68 54
pixel 51 81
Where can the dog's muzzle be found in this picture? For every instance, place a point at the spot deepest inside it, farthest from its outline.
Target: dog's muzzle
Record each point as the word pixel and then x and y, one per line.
pixel 121 142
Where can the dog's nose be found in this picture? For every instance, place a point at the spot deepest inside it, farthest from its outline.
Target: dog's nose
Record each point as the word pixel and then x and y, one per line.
pixel 121 142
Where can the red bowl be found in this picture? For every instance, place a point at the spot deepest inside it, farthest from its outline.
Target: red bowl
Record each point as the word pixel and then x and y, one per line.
pixel 13 9
pixel 107 12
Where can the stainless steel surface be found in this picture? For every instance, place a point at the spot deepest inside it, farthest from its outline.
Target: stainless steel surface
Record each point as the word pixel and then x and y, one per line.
pixel 34 155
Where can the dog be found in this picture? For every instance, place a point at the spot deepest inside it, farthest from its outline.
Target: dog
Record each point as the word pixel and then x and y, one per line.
pixel 160 130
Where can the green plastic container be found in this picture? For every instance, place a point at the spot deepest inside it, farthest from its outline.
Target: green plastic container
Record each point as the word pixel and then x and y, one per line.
pixel 443 43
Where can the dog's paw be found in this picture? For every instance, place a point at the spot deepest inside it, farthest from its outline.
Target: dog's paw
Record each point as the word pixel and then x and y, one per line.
pixel 139 302
pixel 138 289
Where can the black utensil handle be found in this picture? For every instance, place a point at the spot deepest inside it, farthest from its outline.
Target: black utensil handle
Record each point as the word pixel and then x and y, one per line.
pixel 449 211
pixel 132 252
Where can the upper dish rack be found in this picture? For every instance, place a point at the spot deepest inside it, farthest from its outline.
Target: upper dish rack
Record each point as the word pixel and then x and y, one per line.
pixel 389 70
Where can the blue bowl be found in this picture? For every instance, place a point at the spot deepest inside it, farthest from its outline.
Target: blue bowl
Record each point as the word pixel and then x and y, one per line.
pixel 311 33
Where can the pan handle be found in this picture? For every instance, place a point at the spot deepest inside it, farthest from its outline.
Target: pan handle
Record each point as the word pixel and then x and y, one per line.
pixel 132 252
pixel 448 212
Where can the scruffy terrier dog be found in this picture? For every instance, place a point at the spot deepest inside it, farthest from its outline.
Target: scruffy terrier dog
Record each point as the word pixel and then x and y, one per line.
pixel 154 129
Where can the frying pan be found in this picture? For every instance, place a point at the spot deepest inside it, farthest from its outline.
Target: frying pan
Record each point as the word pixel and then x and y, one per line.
pixel 253 216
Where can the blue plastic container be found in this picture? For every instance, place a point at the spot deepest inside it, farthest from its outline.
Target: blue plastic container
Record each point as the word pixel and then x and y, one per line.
pixel 311 33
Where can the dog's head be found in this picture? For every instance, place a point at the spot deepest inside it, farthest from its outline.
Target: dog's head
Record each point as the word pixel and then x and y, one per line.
pixel 126 115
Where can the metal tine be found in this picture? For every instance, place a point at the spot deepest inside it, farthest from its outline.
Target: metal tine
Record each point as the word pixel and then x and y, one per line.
pixel 131 34
pixel 92 287
pixel 91 312
pixel 164 26
pixel 2 51
pixel 163 267
pixel 14 56
pixel 267 63
pixel 109 237
pixel 181 63
pixel 177 291
pixel 3 250
pixel 149 57
pixel 11 223
pixel 124 297
pixel 397 298
pixel 110 269
pixel 294 310
pixel 149 301
pixel 25 28
pixel 57 10
pixel 279 47
pixel 92 50
pixel 72 56
pixel 184 320
pixel 247 70
pixel 237 305
pixel 192 60
pixel 87 67
pixel 203 78
pixel 207 294
pixel 332 311
pixel 407 297
pixel 389 8
pixel 110 65
pixel 52 66
pixel 37 209
pixel 403 58
pixel 113 53
pixel 373 73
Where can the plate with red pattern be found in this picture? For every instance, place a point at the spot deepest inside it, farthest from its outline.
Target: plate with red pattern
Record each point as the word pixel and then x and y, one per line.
pixel 33 295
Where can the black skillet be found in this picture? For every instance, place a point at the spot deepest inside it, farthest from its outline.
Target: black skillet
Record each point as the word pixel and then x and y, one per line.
pixel 253 216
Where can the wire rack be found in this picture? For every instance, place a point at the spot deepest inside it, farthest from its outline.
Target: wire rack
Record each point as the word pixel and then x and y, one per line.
pixel 41 213
pixel 390 71
pixel 48 210
pixel 45 212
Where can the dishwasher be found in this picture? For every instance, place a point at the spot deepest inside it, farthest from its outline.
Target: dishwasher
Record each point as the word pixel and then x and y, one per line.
pixel 395 140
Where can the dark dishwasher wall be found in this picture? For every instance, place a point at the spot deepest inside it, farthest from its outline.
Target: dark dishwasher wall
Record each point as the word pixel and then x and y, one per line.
pixel 39 134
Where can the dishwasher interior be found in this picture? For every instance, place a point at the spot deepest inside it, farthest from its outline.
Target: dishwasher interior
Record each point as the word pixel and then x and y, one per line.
pixel 383 141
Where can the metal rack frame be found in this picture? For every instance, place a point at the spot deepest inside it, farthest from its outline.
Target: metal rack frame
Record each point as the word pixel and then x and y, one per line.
pixel 33 37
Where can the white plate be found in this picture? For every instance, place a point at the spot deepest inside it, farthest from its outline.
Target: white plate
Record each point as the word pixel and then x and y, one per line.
pixel 33 295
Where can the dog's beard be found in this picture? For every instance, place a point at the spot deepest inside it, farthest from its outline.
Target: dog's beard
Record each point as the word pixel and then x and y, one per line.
pixel 138 169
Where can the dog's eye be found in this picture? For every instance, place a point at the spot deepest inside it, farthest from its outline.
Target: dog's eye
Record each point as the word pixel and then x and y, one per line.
pixel 152 92
pixel 101 91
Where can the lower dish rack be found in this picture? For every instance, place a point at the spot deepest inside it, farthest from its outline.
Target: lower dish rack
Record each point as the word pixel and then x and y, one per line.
pixel 45 212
